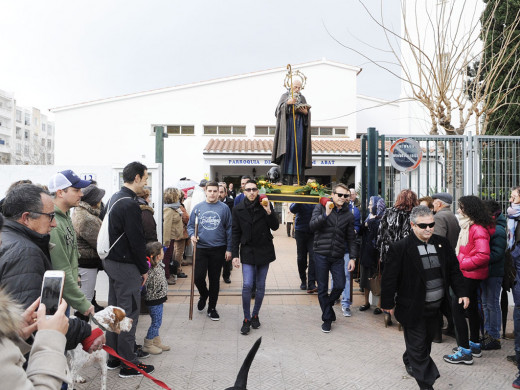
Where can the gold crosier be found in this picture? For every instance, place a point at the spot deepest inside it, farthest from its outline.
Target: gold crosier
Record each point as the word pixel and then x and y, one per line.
pixel 288 83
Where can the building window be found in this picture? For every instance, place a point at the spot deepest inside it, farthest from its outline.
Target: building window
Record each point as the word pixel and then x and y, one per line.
pixel 2 141
pixel 49 130
pixel 49 144
pixel 18 116
pixel 27 134
pixel 43 142
pixel 27 119
pixel 26 150
pixel 328 131
pixel 19 148
pixel 44 128
pixel 265 130
pixel 224 130
pixel 18 133
pixel 180 130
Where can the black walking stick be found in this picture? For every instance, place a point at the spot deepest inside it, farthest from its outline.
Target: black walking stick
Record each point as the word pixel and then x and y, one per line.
pixel 192 290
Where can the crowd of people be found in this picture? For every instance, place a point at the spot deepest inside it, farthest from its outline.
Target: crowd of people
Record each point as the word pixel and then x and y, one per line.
pixel 423 260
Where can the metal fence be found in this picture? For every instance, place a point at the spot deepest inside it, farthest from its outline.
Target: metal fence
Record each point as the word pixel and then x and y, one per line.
pixel 461 165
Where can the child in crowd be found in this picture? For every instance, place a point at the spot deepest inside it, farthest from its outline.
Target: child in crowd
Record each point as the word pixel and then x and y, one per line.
pixel 156 295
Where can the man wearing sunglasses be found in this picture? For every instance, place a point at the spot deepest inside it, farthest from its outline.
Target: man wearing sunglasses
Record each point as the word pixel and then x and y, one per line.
pixel 333 227
pixel 418 273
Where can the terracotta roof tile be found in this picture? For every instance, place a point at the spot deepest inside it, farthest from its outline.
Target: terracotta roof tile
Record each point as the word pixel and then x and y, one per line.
pixel 244 145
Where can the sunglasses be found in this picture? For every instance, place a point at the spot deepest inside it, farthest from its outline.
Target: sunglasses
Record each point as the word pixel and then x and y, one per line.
pixel 425 225
pixel 250 189
pixel 342 195
pixel 50 215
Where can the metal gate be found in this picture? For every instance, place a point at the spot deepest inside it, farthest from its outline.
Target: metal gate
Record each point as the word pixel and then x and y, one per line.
pixel 484 166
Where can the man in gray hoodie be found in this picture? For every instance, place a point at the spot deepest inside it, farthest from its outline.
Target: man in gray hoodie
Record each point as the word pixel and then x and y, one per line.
pixel 213 246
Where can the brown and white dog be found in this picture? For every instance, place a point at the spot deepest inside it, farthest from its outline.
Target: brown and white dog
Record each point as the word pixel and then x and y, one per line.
pixel 112 319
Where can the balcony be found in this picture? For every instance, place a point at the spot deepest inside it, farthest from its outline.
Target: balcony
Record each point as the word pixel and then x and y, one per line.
pixel 5 148
pixel 6 113
pixel 5 130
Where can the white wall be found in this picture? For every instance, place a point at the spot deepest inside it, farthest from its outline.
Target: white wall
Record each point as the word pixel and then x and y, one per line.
pixel 119 131
pixel 381 114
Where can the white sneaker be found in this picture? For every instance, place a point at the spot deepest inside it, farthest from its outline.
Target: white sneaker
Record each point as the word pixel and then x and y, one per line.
pixel 346 311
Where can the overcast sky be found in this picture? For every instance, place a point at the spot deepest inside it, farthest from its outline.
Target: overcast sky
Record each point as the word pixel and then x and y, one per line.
pixel 61 52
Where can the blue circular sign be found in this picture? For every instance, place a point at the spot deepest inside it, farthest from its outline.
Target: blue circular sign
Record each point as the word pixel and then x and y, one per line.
pixel 405 154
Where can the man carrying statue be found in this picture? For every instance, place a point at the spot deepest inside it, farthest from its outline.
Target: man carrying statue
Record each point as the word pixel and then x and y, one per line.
pixel 293 157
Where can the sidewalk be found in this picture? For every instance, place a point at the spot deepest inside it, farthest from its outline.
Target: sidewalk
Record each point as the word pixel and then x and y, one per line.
pixel 359 353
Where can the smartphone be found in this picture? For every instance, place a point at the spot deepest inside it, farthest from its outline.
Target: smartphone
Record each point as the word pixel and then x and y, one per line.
pixel 52 290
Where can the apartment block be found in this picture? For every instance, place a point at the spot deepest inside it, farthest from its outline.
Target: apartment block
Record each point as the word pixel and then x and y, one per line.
pixel 26 135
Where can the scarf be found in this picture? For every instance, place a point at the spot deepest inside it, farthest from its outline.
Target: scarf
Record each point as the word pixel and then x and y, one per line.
pixel 513 213
pixel 378 208
pixel 175 206
pixel 250 206
pixel 465 223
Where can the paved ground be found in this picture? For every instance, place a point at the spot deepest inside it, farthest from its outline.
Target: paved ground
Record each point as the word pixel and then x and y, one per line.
pixel 359 353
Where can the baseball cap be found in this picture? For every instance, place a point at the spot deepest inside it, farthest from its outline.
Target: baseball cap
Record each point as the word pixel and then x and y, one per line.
pixel 65 179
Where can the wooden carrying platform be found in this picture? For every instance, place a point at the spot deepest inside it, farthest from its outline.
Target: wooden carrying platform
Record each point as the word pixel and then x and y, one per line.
pixel 293 198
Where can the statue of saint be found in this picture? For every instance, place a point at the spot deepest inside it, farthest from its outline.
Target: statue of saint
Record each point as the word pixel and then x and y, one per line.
pixel 287 152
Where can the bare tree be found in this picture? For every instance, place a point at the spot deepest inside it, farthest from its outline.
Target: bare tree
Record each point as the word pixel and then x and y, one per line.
pixel 439 42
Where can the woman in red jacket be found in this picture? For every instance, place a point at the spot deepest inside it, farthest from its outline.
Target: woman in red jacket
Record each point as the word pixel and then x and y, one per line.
pixel 473 254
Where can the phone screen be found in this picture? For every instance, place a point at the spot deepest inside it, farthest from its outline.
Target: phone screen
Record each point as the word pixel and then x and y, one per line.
pixel 51 291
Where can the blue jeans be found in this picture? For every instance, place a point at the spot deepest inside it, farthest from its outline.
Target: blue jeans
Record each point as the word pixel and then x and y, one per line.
pixel 491 288
pixel 336 267
pixel 516 321
pixel 156 312
pixel 248 275
pixel 345 300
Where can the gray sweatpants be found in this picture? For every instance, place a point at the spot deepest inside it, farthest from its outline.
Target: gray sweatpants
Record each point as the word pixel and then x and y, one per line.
pixel 124 290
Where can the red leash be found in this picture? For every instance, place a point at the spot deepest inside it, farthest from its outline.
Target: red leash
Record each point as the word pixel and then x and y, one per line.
pixel 114 353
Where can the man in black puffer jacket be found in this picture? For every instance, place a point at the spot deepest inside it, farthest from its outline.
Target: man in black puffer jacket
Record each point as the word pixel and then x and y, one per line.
pixel 24 253
pixel 333 227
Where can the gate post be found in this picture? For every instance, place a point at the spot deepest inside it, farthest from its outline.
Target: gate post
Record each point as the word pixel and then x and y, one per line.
pixel 363 176
pixel 372 161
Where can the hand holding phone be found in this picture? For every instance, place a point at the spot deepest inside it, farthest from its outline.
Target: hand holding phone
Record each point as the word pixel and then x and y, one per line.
pixel 52 291
pixel 29 324
pixel 58 321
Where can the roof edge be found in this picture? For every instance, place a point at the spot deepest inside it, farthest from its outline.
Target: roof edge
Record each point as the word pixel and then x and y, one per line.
pixel 200 83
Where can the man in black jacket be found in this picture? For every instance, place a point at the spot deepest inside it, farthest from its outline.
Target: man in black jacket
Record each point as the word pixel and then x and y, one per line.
pixel 333 227
pixel 418 272
pixel 126 264
pixel 24 253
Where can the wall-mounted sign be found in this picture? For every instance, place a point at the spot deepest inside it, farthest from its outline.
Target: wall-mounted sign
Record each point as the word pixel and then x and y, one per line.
pixel 88 176
pixel 405 154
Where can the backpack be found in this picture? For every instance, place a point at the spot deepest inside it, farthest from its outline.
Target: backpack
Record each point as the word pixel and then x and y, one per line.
pixel 103 239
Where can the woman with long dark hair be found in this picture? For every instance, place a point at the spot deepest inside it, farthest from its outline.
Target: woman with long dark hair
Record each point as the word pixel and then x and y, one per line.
pixel 395 225
pixel 473 253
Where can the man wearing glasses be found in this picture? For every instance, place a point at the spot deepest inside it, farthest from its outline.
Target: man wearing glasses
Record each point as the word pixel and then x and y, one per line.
pixel 418 273
pixel 66 187
pixel 333 227
pixel 24 252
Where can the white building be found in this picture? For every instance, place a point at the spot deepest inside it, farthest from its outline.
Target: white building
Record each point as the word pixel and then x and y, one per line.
pixel 26 135
pixel 224 128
